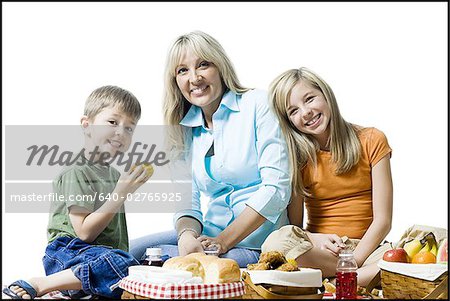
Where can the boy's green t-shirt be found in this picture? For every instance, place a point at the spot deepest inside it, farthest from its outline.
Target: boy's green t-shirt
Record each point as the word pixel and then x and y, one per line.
pixel 87 185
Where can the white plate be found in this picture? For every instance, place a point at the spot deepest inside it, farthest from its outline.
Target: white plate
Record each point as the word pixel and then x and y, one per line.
pixel 153 274
pixel 306 277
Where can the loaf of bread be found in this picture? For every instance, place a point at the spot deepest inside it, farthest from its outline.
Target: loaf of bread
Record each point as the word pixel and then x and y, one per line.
pixel 186 264
pixel 211 269
pixel 222 270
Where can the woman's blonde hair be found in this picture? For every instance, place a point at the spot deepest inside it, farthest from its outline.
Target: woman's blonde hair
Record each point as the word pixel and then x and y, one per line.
pixel 344 144
pixel 175 106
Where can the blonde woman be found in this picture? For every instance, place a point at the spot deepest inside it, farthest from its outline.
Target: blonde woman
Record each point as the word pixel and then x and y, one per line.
pixel 239 157
pixel 340 173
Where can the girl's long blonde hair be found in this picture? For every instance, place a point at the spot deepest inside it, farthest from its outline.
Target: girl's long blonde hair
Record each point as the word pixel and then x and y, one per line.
pixel 345 146
pixel 175 106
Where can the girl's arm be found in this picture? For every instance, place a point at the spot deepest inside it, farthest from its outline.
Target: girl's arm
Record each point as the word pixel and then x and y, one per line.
pixel 295 211
pixel 382 195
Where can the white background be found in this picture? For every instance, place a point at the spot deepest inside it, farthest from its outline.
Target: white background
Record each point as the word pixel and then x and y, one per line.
pixel 386 62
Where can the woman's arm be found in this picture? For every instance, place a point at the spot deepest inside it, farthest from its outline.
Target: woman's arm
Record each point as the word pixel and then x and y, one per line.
pixel 188 229
pixel 247 222
pixel 188 224
pixel 382 198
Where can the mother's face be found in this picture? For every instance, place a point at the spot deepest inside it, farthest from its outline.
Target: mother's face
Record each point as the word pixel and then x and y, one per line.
pixel 199 81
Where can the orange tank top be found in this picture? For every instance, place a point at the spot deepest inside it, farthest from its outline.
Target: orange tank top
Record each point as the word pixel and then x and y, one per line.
pixel 342 204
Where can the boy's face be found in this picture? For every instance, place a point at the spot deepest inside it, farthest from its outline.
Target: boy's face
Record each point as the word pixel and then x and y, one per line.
pixel 110 130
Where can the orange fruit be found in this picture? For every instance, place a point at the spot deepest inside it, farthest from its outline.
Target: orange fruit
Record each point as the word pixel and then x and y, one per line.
pixel 424 257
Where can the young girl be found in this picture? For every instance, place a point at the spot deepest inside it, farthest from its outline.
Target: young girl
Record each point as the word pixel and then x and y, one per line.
pixel 340 173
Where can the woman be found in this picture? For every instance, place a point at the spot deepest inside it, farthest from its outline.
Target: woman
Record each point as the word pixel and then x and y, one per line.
pixel 239 157
pixel 340 173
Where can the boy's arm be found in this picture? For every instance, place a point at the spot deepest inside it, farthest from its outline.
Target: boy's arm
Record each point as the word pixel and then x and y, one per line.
pixel 88 225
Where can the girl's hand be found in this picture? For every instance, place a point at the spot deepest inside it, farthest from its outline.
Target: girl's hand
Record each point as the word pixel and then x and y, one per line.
pixel 330 242
pixel 215 242
pixel 188 244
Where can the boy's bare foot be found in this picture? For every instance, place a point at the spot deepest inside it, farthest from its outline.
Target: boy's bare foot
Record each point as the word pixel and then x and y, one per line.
pixel 21 292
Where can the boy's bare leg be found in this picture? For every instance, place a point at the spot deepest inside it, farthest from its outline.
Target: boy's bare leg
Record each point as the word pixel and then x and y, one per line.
pixel 64 280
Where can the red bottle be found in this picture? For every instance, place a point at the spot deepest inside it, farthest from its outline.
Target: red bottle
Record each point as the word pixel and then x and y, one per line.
pixel 346 276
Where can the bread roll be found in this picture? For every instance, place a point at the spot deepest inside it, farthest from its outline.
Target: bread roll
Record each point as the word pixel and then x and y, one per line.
pixel 222 270
pixel 184 263
pixel 211 268
pixel 204 259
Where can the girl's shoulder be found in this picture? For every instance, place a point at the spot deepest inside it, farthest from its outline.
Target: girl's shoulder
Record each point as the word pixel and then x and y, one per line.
pixel 367 132
pixel 371 137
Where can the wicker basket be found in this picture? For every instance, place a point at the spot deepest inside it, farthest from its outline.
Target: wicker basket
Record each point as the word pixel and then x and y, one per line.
pixel 253 291
pixel 260 291
pixel 398 286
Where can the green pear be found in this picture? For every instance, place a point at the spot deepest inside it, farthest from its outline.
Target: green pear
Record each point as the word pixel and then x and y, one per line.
pixel 413 247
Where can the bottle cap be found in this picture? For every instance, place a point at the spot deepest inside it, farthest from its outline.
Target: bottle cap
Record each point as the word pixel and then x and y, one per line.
pixel 212 250
pixel 153 251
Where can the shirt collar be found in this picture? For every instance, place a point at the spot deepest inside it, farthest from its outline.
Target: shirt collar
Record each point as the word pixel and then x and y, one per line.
pixel 229 100
pixel 194 116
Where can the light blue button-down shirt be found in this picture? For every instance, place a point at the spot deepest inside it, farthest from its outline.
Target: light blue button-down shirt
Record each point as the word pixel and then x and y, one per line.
pixel 249 168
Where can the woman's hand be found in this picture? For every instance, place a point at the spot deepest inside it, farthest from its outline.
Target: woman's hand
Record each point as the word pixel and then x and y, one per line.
pixel 207 241
pixel 330 242
pixel 188 244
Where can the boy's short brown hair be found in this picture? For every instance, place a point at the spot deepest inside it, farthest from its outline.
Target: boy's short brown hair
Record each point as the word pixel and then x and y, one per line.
pixel 111 96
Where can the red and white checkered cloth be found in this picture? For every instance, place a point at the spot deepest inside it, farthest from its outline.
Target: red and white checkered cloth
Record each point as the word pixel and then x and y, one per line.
pixel 183 291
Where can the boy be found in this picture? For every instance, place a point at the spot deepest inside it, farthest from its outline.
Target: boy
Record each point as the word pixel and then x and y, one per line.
pixel 87 235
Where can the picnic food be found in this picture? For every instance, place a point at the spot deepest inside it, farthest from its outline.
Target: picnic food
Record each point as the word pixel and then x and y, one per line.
pixel 424 257
pixel 329 287
pixel 186 264
pixel 412 247
pixel 148 168
pixel 211 269
pixel 442 255
pixel 273 260
pixel 396 255
pixel 430 244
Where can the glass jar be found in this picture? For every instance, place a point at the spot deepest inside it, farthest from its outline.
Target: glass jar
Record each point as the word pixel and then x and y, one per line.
pixel 346 276
pixel 153 257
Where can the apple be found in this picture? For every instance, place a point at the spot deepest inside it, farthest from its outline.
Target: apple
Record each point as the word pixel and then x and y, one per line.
pixel 396 255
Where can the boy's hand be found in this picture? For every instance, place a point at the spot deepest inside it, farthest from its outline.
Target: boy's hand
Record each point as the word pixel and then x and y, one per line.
pixel 130 181
pixel 188 244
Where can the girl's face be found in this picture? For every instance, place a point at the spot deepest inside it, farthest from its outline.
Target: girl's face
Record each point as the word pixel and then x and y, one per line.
pixel 309 111
pixel 199 81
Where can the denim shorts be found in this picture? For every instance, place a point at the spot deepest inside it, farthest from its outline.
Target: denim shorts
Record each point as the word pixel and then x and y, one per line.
pixel 99 268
